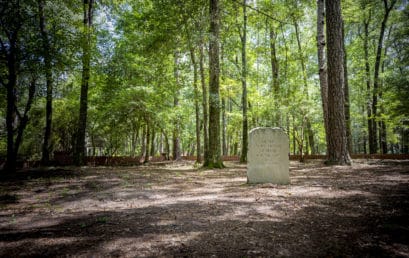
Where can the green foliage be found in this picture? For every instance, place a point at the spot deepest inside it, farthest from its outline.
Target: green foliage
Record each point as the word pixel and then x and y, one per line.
pixel 133 72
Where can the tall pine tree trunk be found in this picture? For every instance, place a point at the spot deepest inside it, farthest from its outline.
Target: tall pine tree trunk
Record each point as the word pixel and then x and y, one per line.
pixel 337 145
pixel 214 160
pixel 79 154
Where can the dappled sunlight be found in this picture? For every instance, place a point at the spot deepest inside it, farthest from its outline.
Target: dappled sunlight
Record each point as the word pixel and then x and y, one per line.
pixel 176 211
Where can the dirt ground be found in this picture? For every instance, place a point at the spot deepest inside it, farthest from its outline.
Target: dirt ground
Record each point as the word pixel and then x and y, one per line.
pixel 175 209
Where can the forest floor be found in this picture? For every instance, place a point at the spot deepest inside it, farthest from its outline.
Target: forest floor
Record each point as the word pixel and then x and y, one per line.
pixel 175 209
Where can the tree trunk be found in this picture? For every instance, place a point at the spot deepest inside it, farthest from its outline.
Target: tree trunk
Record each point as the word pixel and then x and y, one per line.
pixel 224 127
pixel 80 155
pixel 274 73
pixel 382 125
pixel 322 63
pixel 214 160
pixel 243 37
pixel 24 119
pixel 337 145
pixel 152 150
pixel 375 92
pixel 49 84
pixel 176 152
pixel 376 82
pixel 12 67
pixel 167 147
pixel 143 142
pixel 274 61
pixel 197 109
pixel 204 105
pixel 346 95
pixel 371 120
pixel 310 133
pixel 148 136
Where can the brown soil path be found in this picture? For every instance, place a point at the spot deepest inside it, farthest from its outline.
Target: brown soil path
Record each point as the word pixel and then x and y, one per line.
pixel 174 209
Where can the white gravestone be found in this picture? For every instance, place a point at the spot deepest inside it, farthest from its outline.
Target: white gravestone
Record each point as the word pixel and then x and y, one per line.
pixel 267 157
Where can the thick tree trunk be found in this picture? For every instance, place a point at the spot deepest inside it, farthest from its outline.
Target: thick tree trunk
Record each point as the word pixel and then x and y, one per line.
pixel 243 37
pixel 80 155
pixel 322 63
pixel 337 145
pixel 214 160
pixel 49 84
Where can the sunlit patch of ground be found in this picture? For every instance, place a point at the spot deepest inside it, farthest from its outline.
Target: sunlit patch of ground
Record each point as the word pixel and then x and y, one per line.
pixel 176 209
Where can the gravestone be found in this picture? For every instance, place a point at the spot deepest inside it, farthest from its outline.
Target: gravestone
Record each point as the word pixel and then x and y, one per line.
pixel 267 157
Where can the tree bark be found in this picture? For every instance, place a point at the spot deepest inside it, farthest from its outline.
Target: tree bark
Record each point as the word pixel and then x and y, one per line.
pixel 274 73
pixel 214 160
pixel 346 95
pixel 80 155
pixel 11 54
pixel 382 125
pixel 152 149
pixel 49 85
pixel 376 82
pixel 322 64
pixel 176 152
pixel 24 119
pixel 337 145
pixel 224 127
pixel 10 165
pixel 148 136
pixel 371 120
pixel 310 133
pixel 243 37
pixel 197 109
pixel 204 105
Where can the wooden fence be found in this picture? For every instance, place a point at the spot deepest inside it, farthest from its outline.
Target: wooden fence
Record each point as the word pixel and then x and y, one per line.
pixel 64 159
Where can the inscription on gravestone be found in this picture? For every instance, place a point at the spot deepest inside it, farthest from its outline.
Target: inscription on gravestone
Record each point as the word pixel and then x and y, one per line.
pixel 267 157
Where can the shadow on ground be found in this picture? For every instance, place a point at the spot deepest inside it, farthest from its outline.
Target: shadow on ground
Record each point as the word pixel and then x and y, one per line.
pixel 326 211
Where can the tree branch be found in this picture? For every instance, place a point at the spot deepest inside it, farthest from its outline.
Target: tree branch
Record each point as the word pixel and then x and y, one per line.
pixel 262 12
